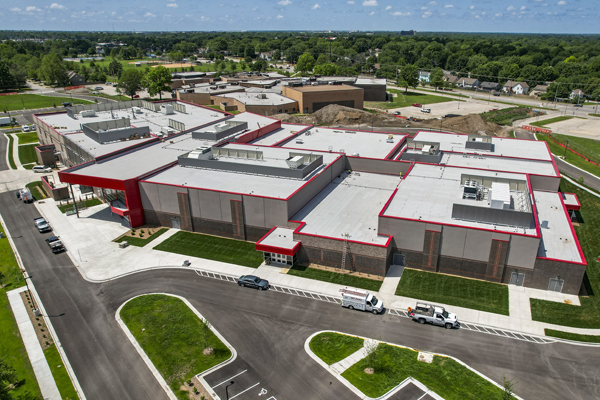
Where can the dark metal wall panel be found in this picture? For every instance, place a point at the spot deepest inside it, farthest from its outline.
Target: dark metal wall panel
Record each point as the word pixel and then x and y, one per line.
pixel 522 252
pixel 150 196
pixel 408 235
pixel 453 241
pixel 477 245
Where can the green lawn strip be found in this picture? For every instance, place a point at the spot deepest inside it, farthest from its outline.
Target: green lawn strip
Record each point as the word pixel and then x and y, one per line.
pixel 11 160
pixel 445 92
pixel 569 156
pixel 589 148
pixel 407 99
pixel 444 376
pixel 87 203
pixel 588 314
pixel 173 337
pixel 27 137
pixel 60 374
pixel 213 248
pixel 139 241
pixel 335 277
pixel 28 166
pixel 452 290
pixel 572 336
pixel 594 115
pixel 11 344
pixel 15 131
pixel 332 347
pixel 551 121
pixel 115 97
pixel 512 134
pixel 506 115
pixel 16 101
pixel 27 154
pixel 37 189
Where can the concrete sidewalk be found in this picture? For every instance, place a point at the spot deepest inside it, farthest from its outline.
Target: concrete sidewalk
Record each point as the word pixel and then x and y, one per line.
pixel 41 369
pixel 15 151
pixel 89 244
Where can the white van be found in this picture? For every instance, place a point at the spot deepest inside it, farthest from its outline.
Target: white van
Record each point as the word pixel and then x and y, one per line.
pixel 361 300
pixel 41 169
pixel 425 110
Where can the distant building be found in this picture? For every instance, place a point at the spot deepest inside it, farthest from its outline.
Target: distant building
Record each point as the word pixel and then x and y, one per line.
pixel 576 93
pixel 490 86
pixel 408 33
pixel 450 78
pixel 516 87
pixel 75 79
pixel 468 83
pixel 424 76
pixel 374 89
pixel 538 90
pixel 312 98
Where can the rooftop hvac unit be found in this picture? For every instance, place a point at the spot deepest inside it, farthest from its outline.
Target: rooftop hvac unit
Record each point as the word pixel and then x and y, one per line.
pixel 213 88
pixel 136 110
pixel 261 96
pixel 167 109
pixel 299 141
pixel 295 162
pixel 88 113
pixel 221 127
pixel 167 129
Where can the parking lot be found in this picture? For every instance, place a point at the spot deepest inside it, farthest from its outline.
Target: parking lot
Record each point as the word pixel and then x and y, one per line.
pixel 248 384
pixel 451 107
pixel 585 128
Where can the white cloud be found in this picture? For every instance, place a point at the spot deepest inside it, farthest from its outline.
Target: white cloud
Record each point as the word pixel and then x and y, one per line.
pixel 498 14
pixel 400 14
pixel 149 15
pixel 57 6
pixel 472 7
pixel 562 3
pixel 203 18
pixel 32 8
pixel 315 7
pixel 388 8
pixel 511 8
pixel 351 2
pixel 285 2
pixel 372 13
pixel 426 14
pixel 432 3
pixel 448 6
pixel 370 3
pixel 279 16
pixel 523 8
pixel 15 9
pixel 172 5
pixel 424 8
pixel 483 13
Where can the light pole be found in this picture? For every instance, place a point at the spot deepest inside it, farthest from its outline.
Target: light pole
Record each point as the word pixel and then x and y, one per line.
pixel 227 389
pixel 26 276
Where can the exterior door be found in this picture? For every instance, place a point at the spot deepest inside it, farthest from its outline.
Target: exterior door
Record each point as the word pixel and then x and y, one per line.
pixel 175 223
pixel 398 259
pixel 517 279
pixel 556 285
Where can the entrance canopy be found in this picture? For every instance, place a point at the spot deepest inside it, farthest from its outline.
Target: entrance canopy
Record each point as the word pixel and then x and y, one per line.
pixel 279 240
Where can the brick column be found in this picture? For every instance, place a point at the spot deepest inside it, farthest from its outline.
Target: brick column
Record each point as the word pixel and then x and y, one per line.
pixel 237 219
pixel 497 260
pixel 185 215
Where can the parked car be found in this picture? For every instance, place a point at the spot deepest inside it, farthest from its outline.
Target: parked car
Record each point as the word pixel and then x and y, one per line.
pixel 98 88
pixel 26 128
pixel 435 315
pixel 497 94
pixel 136 96
pixel 25 195
pixel 55 244
pixel 94 92
pixel 253 282
pixel 66 104
pixel 426 110
pixel 396 113
pixel 41 169
pixel 42 225
pixel 115 84
pixel 417 105
pixel 577 105
pixel 108 83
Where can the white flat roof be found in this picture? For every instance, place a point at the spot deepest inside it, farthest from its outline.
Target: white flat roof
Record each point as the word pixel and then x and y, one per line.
pixel 96 149
pixel 366 144
pixel 278 135
pixel 350 204
pixel 428 193
pixel 280 237
pixel 193 116
pixel 494 163
pixel 506 147
pixel 570 199
pixel 558 241
pixel 255 99
pixel 370 81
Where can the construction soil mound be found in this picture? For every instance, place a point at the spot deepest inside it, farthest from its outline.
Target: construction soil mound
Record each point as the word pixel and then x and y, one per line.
pixel 335 115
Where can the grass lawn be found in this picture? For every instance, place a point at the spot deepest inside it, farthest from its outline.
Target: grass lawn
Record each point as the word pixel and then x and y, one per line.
pixel 11 344
pixel 27 154
pixel 512 134
pixel 11 160
pixel 551 121
pixel 588 314
pixel 572 336
pixel 444 376
pixel 407 99
pixel 452 290
pixel 60 374
pixel 594 115
pixel 36 189
pixel 141 242
pixel 504 116
pixel 16 101
pixel 213 248
pixel 444 92
pixel 114 97
pixel 335 277
pixel 88 203
pixel 173 337
pixel 28 166
pixel 569 156
pixel 28 137
pixel 332 347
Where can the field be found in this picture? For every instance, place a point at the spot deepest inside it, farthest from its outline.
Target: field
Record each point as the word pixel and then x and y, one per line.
pixel 551 121
pixel 128 64
pixel 333 347
pixel 30 101
pixel 28 137
pixel 27 154
pixel 507 115
pixel 580 145
pixel 452 290
pixel 141 241
pixel 407 99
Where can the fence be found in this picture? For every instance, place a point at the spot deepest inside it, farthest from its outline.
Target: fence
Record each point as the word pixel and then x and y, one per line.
pixel 575 148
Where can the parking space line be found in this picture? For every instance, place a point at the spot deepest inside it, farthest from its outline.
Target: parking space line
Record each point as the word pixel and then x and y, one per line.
pixel 228 379
pixel 233 397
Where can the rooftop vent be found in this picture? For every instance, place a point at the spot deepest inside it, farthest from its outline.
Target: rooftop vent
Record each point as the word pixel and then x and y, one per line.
pixel 167 109
pixel 295 162
pixel 261 96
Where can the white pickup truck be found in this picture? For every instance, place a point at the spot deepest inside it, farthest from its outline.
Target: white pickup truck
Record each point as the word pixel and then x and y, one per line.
pixel 435 315
pixel 361 300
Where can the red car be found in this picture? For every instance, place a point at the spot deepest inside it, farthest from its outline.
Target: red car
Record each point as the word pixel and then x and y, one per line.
pixel 416 105
pixel 136 96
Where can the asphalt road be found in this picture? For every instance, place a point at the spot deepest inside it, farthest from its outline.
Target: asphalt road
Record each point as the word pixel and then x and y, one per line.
pixel 268 330
pixel 3 144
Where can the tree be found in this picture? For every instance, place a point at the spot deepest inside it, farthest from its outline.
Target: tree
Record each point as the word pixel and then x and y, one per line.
pixel 130 82
pixel 276 55
pixel 409 75
pixel 322 59
pixel 8 376
pixel 436 78
pixel 6 79
pixel 243 65
pixel 53 70
pixel 326 69
pixel 371 350
pixel 114 54
pixel 509 386
pixel 306 63
pixel 115 68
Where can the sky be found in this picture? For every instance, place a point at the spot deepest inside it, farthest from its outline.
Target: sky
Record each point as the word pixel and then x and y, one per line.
pixel 519 16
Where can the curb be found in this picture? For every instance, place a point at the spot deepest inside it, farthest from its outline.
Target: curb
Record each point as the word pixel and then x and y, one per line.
pixel 150 364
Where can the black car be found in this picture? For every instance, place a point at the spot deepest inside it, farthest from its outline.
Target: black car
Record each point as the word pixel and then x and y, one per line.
pixel 52 239
pixel 577 105
pixel 66 104
pixel 253 282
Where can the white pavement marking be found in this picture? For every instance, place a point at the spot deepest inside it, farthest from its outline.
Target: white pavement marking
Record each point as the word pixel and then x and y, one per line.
pixel 41 369
pixel 233 397
pixel 228 379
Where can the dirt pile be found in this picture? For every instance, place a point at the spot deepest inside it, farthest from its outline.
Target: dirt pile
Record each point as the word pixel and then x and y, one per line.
pixel 471 124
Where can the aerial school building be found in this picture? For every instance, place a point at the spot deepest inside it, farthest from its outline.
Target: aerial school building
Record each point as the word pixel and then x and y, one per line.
pixel 481 207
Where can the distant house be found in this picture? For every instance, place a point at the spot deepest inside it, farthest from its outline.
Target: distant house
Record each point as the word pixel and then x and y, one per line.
pixel 516 87
pixel 266 55
pixel 538 90
pixel 424 76
pixel 575 93
pixel 75 79
pixel 450 78
pixel 490 86
pixel 468 83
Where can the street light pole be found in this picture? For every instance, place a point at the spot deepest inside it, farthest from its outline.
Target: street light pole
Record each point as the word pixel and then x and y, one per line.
pixel 227 387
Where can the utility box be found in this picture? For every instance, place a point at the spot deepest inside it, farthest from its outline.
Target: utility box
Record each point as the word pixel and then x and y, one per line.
pixel 167 109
